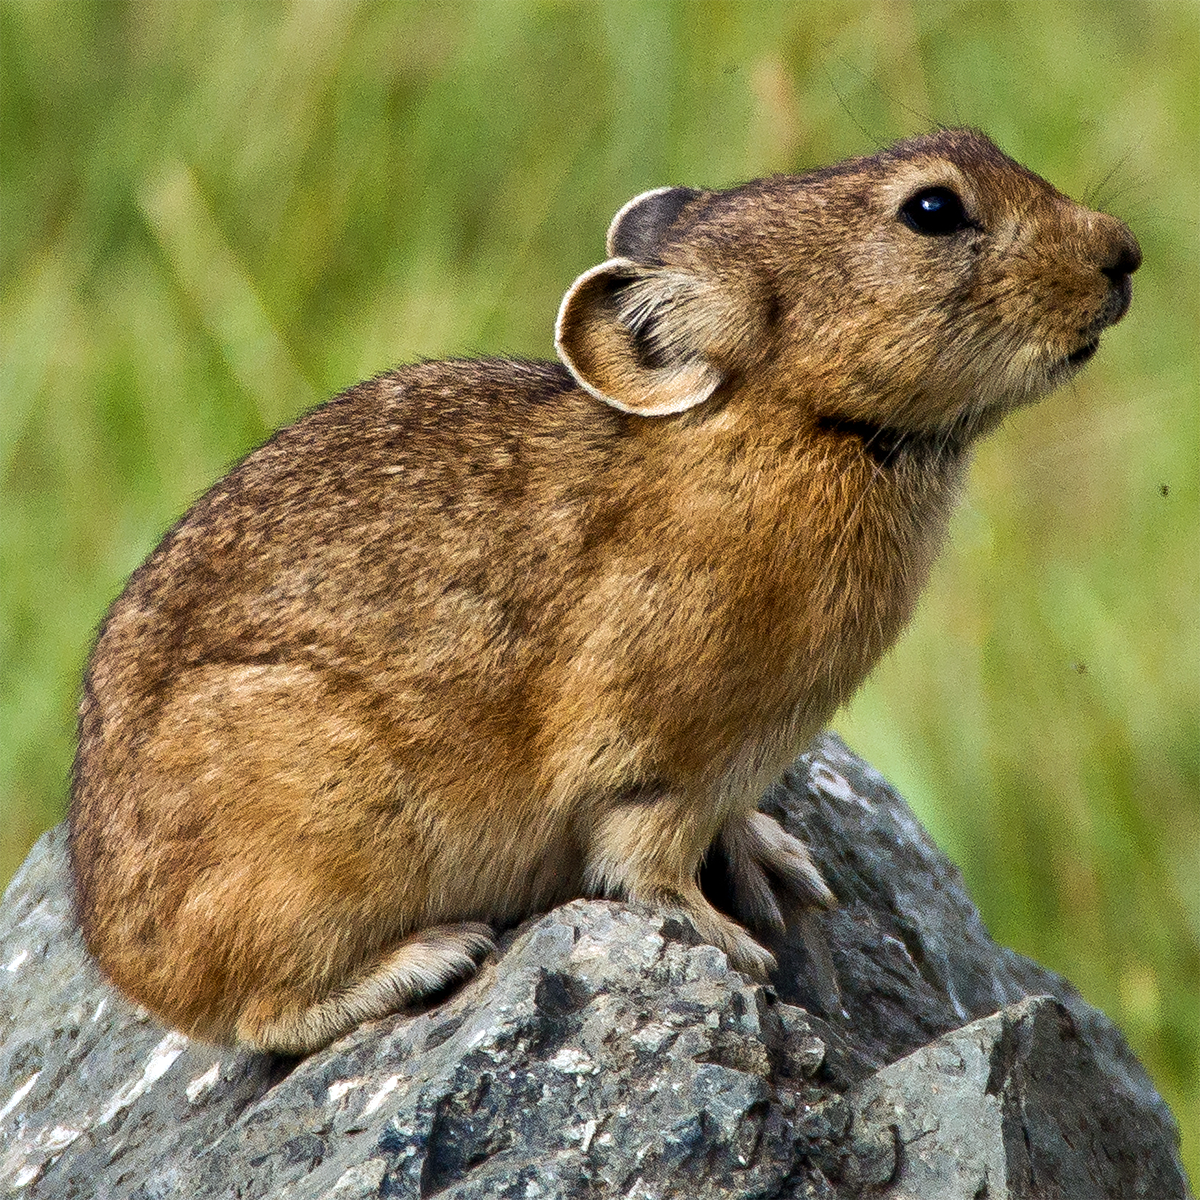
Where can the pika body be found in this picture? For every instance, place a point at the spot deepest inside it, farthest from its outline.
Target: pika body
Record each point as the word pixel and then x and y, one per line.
pixel 475 638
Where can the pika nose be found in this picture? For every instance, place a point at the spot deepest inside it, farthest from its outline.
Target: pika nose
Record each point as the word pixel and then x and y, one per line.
pixel 1126 259
pixel 1123 258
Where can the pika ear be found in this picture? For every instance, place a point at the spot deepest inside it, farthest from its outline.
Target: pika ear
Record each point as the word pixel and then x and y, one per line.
pixel 635 337
pixel 639 228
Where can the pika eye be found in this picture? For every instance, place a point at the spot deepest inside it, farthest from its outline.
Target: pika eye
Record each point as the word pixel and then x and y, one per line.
pixel 935 212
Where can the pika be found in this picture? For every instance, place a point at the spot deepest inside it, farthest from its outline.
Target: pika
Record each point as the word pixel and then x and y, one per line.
pixel 478 637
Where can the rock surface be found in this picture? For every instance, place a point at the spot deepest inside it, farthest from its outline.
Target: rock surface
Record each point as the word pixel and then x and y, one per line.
pixel 604 1053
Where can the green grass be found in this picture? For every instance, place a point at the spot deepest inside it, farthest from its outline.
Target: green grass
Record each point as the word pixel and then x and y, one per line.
pixel 215 214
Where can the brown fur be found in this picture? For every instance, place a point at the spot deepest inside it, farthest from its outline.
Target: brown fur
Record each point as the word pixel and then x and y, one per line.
pixel 473 639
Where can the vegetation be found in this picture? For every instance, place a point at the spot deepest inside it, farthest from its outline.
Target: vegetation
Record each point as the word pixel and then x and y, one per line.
pixel 214 215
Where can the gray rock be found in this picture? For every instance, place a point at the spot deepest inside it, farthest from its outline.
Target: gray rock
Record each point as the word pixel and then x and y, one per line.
pixel 604 1052
pixel 1016 1104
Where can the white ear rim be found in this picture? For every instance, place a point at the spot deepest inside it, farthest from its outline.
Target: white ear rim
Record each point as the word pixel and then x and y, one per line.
pixel 620 215
pixel 707 380
pixel 559 349
pixel 695 383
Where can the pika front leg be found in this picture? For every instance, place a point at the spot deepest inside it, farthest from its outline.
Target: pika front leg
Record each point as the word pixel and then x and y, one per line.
pixel 758 850
pixel 651 853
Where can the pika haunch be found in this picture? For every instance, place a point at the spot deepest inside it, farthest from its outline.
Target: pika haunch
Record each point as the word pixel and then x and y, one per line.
pixel 476 638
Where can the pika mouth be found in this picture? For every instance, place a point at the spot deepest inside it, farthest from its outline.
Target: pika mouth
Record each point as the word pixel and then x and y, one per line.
pixel 1078 357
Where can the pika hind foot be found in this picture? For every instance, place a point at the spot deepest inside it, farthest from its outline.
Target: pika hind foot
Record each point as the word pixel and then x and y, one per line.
pixel 758 849
pixel 422 964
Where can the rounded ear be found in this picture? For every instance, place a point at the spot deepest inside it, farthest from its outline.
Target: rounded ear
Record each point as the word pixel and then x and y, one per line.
pixel 640 226
pixel 635 336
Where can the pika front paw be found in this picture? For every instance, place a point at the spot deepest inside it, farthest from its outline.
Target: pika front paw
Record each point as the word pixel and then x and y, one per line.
pixel 760 853
pixel 744 953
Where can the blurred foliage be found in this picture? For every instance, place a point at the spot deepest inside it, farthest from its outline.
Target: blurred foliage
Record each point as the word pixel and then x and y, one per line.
pixel 215 214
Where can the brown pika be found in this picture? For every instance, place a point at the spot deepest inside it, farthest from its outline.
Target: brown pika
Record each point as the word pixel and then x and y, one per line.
pixel 476 638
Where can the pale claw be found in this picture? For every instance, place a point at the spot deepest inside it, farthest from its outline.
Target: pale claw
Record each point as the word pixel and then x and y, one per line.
pixel 758 848
pixel 744 953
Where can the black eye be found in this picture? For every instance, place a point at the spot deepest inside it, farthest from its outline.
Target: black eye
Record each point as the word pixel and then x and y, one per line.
pixel 935 212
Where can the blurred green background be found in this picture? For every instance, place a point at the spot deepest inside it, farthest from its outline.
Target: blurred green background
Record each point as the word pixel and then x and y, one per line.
pixel 216 214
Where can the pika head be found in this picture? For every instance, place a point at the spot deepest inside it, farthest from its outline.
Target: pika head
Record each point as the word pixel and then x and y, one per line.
pixel 476 638
pixel 937 284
